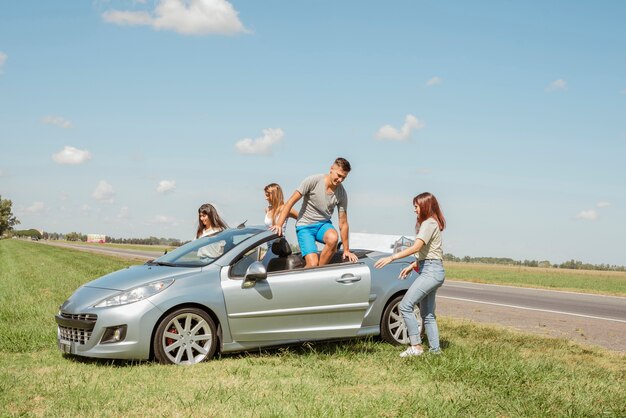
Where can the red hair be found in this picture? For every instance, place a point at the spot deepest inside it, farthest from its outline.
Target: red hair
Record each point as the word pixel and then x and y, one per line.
pixel 429 208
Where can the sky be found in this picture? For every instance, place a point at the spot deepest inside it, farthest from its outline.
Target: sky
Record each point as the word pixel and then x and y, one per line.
pixel 122 117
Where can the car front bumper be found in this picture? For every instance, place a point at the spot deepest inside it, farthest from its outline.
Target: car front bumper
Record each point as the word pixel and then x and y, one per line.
pixel 80 331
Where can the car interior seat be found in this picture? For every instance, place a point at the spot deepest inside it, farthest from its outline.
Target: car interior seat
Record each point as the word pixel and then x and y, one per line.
pixel 285 260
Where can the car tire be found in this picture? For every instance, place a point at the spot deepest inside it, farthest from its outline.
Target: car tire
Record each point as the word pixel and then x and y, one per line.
pixel 185 336
pixel 392 325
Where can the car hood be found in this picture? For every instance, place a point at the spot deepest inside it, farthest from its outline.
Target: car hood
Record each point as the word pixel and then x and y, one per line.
pixel 95 291
pixel 134 276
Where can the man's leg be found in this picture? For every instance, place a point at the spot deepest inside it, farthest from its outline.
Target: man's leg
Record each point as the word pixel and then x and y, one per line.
pixel 331 238
pixel 306 240
pixel 311 260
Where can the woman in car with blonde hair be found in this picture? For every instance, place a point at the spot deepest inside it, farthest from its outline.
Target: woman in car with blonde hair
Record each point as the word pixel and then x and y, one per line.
pixel 275 201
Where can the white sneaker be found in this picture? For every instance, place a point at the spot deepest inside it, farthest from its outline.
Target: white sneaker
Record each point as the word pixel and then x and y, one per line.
pixel 412 351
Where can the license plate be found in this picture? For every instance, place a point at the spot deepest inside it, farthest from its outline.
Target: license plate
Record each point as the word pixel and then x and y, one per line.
pixel 65 346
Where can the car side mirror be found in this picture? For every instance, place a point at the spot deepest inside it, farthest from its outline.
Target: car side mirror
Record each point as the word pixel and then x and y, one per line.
pixel 255 272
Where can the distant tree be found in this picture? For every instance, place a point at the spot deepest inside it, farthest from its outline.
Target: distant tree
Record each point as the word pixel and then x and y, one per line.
pixel 73 236
pixel 7 219
pixel 30 233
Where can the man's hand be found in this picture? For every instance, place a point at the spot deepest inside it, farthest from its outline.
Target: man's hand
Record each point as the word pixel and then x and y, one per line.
pixel 350 256
pixel 277 229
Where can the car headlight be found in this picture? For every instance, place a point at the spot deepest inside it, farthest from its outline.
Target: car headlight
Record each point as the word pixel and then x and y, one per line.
pixel 136 294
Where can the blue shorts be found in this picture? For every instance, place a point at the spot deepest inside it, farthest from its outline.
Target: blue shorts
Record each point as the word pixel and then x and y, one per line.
pixel 308 234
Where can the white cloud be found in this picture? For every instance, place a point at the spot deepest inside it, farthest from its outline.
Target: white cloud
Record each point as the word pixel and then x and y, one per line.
pixel 3 59
pixel 1 173
pixel 187 17
pixel 262 145
pixel 104 192
pixel 423 171
pixel 59 121
pixel 163 220
pixel 71 155
pixel 559 84
pixel 603 204
pixel 623 91
pixel 389 132
pixel 166 186
pixel 36 207
pixel 434 81
pixel 85 209
pixel 124 213
pixel 128 18
pixel 588 215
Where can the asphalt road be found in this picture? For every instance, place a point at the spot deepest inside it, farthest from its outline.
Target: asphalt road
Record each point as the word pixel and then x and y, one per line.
pixel 585 318
pixel 121 252
pixel 607 308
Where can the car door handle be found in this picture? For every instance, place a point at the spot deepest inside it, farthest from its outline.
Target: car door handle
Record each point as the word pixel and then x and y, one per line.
pixel 348 278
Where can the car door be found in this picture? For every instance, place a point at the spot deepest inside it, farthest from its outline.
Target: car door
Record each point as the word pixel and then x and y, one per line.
pixel 307 304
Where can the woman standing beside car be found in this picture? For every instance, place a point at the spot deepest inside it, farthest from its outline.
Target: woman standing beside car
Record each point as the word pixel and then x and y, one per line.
pixel 429 254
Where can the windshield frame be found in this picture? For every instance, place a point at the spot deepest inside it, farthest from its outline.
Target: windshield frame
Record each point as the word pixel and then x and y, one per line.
pixel 228 239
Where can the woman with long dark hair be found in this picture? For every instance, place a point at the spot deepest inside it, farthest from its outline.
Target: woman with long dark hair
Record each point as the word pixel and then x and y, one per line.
pixel 209 223
pixel 429 256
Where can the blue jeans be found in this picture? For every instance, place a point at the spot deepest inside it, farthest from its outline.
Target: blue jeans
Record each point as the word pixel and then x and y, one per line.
pixel 423 291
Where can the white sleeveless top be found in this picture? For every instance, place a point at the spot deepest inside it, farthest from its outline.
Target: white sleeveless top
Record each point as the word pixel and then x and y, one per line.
pixel 268 221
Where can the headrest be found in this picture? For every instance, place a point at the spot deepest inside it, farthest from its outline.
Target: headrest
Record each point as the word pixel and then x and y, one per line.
pixel 281 247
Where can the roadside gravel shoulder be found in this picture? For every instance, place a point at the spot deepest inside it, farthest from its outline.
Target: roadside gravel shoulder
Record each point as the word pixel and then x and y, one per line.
pixel 607 334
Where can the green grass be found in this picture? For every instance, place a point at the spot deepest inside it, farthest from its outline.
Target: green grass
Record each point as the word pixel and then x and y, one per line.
pixel 484 371
pixel 588 281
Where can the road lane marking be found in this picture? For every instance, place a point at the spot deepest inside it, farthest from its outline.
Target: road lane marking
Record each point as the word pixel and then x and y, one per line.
pixel 477 285
pixel 534 309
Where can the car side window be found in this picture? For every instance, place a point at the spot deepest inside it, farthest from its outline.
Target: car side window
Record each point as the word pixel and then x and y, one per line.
pixel 259 253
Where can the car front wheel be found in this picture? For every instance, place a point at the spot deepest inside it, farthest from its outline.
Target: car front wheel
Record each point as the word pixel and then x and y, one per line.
pixel 393 329
pixel 185 336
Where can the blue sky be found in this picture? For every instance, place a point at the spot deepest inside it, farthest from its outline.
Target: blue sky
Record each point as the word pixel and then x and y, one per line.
pixel 123 117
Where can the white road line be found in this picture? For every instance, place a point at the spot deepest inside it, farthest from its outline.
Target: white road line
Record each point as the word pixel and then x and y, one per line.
pixel 533 309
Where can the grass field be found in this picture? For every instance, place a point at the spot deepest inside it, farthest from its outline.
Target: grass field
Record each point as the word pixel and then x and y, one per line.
pixel 589 281
pixel 484 371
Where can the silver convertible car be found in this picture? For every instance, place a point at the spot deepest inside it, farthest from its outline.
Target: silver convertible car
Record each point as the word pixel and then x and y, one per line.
pixel 236 290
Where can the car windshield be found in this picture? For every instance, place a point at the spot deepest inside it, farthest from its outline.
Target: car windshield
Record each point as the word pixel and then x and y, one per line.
pixel 205 250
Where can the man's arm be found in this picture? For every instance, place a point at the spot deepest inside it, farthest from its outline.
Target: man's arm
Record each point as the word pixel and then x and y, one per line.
pixel 344 229
pixel 284 213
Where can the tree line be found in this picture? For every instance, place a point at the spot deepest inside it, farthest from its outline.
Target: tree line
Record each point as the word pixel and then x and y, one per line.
pixel 571 264
pixel 78 236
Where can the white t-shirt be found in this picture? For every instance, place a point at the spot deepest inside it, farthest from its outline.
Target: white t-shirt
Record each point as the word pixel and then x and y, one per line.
pixel 431 235
pixel 214 249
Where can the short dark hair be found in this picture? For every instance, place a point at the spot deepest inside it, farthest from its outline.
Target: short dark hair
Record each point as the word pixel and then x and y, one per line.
pixel 343 164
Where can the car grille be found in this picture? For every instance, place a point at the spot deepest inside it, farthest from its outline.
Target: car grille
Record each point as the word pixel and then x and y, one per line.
pixel 77 335
pixel 83 317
